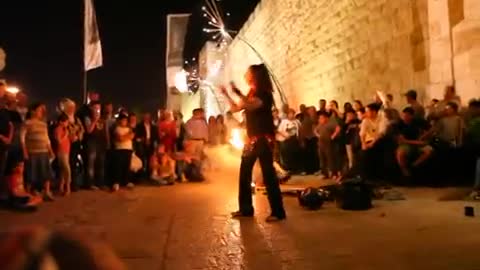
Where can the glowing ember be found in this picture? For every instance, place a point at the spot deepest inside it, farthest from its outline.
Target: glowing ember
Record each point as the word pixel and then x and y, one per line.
pixel 236 138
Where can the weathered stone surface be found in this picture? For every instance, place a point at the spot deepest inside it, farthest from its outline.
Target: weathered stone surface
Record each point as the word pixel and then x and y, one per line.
pixel 348 49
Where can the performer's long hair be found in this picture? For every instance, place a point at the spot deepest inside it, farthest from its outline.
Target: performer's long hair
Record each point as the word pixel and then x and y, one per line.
pixel 258 78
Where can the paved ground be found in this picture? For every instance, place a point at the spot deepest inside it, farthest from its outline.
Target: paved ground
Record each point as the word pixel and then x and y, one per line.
pixel 187 226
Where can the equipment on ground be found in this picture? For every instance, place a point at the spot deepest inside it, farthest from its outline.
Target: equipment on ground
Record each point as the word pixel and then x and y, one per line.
pixel 311 198
pixel 353 194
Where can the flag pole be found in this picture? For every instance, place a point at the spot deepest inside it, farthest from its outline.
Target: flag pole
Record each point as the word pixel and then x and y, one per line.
pixel 84 72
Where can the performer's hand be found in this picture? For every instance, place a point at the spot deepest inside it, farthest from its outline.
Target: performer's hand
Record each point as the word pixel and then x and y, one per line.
pixel 224 90
pixel 237 91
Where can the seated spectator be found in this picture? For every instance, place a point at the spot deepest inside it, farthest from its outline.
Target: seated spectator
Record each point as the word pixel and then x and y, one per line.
pixel 372 132
pixel 290 148
pixel 409 134
pixel 450 128
pixel 327 130
pixel 18 196
pixel 162 167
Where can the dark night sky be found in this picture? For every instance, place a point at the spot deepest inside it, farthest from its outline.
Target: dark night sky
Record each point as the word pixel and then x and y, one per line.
pixel 43 41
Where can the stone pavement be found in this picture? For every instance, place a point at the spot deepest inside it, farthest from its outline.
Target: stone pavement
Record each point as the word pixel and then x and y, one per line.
pixel 187 226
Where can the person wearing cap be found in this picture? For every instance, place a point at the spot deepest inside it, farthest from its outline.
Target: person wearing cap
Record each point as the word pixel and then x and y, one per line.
pixel 412 101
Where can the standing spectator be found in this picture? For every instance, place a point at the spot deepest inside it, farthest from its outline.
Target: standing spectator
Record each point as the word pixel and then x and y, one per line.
pixel 279 138
pixel 361 114
pixel 310 141
pixel 96 142
pixel 63 153
pixel 372 132
pixel 357 105
pixel 167 131
pixel 450 128
pixel 84 111
pixel 179 131
pixel 283 113
pixel 411 96
pixel 221 129
pixel 290 147
pixel 146 134
pixel 6 136
pixel 16 119
pixel 197 133
pixel 302 112
pixel 390 111
pixel 76 133
pixel 327 130
pixel 352 138
pixel 122 154
pixel 212 131
pixel 449 96
pixel 107 115
pixel 322 106
pixel 37 150
pixel 22 107
pixel 347 106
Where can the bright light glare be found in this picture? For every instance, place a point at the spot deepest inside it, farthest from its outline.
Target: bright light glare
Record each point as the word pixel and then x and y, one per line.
pixel 13 90
pixel 181 81
pixel 236 139
pixel 223 31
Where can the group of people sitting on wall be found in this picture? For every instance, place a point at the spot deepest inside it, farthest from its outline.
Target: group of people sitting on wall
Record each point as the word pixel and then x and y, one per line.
pixel 377 140
pixel 94 147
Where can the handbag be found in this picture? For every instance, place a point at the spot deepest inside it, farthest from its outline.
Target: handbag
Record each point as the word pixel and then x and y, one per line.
pixel 136 163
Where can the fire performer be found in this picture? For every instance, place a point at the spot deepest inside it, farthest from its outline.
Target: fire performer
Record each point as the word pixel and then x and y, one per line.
pixel 261 132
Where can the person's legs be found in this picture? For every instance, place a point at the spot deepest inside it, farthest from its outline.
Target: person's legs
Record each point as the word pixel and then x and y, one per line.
pixel 425 153
pixel 64 169
pixel 402 158
pixel 349 150
pixel 245 184
pixel 45 173
pixel 323 151
pixel 100 168
pixel 125 157
pixel 265 156
pixel 91 160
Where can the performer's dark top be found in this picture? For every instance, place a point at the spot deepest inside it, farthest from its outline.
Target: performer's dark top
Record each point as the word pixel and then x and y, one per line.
pixel 260 121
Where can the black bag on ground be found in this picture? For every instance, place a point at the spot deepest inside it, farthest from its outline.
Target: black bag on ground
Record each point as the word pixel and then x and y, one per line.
pixel 193 172
pixel 311 198
pixel 354 194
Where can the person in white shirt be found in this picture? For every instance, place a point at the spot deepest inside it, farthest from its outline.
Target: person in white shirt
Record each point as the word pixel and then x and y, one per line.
pixel 122 154
pixel 197 132
pixel 372 131
pixel 289 129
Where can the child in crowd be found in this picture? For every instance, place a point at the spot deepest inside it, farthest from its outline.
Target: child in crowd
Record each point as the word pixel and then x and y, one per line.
pixel 122 154
pixel 352 138
pixel 162 167
pixel 62 137
pixel 327 130
pixel 18 197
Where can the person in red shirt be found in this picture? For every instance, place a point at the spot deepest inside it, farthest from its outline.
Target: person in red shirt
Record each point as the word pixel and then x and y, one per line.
pixel 167 131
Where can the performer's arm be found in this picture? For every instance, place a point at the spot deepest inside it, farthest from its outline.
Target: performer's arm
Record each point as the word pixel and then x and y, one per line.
pixel 246 103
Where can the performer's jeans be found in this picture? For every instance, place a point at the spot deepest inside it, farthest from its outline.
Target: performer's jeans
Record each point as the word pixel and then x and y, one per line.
pixel 262 151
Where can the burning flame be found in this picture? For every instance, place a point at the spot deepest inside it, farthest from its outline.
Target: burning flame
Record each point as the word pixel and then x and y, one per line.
pixel 236 138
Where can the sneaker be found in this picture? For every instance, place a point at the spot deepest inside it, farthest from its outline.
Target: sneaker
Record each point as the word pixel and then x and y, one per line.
pixel 271 219
pixel 115 187
pixel 130 185
pixel 94 188
pixel 303 173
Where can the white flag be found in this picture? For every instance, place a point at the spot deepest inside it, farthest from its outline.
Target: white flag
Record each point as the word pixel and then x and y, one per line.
pixel 92 46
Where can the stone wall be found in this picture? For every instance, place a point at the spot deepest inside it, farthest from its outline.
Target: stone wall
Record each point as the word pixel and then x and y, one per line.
pixel 349 49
